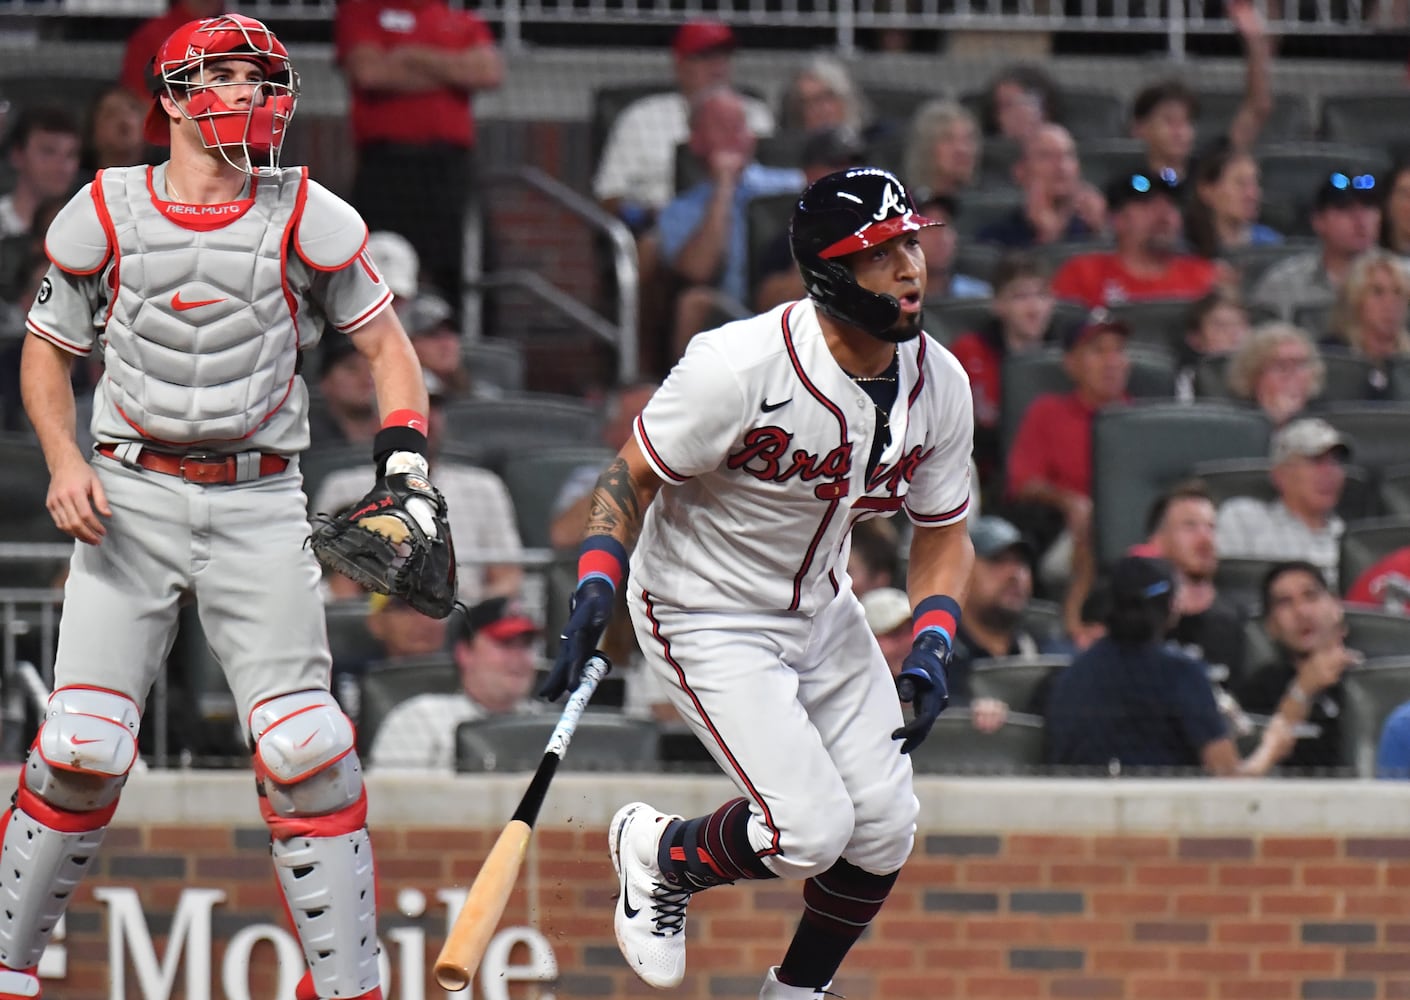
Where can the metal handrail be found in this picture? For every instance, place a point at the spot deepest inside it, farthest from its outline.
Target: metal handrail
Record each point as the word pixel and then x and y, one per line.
pixel 623 334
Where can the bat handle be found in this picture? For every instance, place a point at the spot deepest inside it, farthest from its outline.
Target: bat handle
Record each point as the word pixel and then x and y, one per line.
pixel 594 670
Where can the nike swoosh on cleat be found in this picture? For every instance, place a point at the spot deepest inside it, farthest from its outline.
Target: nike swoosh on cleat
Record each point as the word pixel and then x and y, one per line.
pixel 770 407
pixel 627 907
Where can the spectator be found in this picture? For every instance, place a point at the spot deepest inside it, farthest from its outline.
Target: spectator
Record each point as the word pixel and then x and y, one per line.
pixel 1217 325
pixel 1021 322
pixel 875 558
pixel 42 148
pixel 704 231
pixel 1019 101
pixel 888 613
pixel 400 265
pixel 1058 205
pixel 1303 683
pixel 488 550
pixel 142 46
pixel 636 177
pixel 823 95
pixel 1147 262
pixel 942 150
pixel 112 131
pixel 1309 471
pixel 1279 369
pixel 940 245
pixel 824 151
pixel 1050 463
pixel 1385 584
pixel 1180 530
pixel 1346 217
pixel 348 414
pixel 1393 751
pixel 1370 316
pixel 1130 701
pixel 570 510
pixel 494 656
pixel 437 341
pixel 412 72
pixel 1223 215
pixel 1163 114
pixel 1395 211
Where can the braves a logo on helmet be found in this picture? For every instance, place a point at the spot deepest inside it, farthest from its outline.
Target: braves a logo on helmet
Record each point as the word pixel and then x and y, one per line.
pixel 890 204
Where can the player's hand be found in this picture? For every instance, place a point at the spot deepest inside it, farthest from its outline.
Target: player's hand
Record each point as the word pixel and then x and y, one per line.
pixel 76 501
pixel 726 165
pixel 591 608
pixel 922 682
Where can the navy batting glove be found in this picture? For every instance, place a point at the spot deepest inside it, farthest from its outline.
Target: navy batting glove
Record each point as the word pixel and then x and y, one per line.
pixel 591 609
pixel 922 682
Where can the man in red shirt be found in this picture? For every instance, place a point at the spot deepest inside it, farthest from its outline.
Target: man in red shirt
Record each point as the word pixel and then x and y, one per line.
pixel 1147 262
pixel 145 41
pixel 1386 584
pixel 412 68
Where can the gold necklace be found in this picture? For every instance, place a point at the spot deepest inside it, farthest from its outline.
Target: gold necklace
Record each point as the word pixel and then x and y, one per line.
pixel 171 190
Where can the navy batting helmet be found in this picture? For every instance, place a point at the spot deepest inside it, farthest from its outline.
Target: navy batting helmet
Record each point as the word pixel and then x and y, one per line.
pixel 838 215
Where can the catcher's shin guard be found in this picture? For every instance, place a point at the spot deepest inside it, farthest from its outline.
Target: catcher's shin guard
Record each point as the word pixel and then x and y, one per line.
pixel 314 803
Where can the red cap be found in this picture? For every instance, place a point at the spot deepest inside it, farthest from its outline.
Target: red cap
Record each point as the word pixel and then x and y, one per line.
pixel 499 618
pixel 696 37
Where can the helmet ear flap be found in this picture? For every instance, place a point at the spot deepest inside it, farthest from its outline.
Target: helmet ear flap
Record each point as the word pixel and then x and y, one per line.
pixel 831 285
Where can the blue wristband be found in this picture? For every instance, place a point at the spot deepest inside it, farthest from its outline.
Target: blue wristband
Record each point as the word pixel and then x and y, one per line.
pixel 603 557
pixel 938 613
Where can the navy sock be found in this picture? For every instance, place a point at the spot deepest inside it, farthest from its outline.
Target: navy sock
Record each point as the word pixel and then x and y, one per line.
pixel 838 906
pixel 711 850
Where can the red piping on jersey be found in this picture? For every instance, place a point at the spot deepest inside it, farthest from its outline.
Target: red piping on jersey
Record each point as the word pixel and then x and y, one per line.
pixel 935 518
pixel 836 411
pixel 298 213
pixel 920 372
pixel 715 733
pixel 885 504
pixel 656 460
pixel 105 218
pixel 369 315
pixel 55 339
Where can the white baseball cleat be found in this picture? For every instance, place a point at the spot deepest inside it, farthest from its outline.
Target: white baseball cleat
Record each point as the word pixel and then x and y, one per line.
pixel 650 917
pixel 775 990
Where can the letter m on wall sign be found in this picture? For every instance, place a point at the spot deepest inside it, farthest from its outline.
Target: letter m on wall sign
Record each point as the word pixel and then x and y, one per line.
pixel 128 934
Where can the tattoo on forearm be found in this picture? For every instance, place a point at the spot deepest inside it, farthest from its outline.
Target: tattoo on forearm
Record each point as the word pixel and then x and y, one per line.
pixel 616 510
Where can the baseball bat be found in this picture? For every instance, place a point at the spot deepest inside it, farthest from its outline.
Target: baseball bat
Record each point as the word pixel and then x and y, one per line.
pixel 489 894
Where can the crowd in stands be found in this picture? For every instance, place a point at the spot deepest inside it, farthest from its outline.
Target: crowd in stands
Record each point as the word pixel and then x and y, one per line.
pixel 1080 274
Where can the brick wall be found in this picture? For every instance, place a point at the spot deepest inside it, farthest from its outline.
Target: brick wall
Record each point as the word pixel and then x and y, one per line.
pixel 975 915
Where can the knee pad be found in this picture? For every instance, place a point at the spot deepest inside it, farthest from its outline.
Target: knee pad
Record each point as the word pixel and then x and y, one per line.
pixel 304 754
pixel 86 746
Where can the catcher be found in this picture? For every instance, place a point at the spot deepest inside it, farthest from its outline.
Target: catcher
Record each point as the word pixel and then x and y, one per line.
pixel 231 268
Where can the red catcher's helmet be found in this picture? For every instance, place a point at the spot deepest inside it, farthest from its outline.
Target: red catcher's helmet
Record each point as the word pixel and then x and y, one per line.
pixel 244 135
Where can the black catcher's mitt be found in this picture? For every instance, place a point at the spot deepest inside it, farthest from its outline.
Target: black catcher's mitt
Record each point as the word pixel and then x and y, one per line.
pixel 379 543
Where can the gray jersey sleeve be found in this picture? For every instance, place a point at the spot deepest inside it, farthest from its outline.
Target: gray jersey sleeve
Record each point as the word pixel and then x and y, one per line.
pixel 352 295
pixel 68 310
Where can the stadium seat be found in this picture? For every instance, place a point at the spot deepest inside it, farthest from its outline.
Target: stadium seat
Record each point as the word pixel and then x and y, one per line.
pixel 609 102
pixel 1106 159
pixel 897 105
pixel 688 170
pixel 1017 681
pixel 72 91
pixel 499 427
pixel 1043 620
pixel 1157 322
pixel 1368 120
pixel 981 208
pixel 782 149
pixel 948 319
pixel 1248 477
pixel 1348 378
pixel 1289 121
pixel 1367 542
pixel 24 489
pixel 560 580
pixel 601 742
pixel 386 686
pixel 954 746
pixel 1393 487
pixel 1090 114
pixel 1400 379
pixel 1315 319
pixel 349 640
pixel 978 260
pixel 317 464
pixel 1137 451
pixel 1212 379
pixel 766 217
pixel 1379 432
pixel 496 362
pixel 997 160
pixel 1370 693
pixel 1251 262
pixel 534 478
pixel 1376 633
pixel 1240 583
pixel 1054 255
pixel 1028 376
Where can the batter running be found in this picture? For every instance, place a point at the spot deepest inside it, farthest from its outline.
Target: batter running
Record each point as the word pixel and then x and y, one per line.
pixel 769 440
pixel 202 281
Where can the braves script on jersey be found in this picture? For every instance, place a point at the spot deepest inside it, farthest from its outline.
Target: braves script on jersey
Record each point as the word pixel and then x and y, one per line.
pixel 765 439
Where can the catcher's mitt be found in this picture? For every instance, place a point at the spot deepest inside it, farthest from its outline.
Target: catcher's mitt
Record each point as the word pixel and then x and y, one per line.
pixel 380 544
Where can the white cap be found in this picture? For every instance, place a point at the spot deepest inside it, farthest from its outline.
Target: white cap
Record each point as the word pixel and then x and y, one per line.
pixel 886 608
pixel 396 258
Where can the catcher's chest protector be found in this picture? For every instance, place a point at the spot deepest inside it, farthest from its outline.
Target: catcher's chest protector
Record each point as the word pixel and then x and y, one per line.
pixel 201 344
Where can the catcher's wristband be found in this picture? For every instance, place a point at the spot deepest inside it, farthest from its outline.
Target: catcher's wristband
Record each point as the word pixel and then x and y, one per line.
pixel 403 430
pixel 938 613
pixel 604 557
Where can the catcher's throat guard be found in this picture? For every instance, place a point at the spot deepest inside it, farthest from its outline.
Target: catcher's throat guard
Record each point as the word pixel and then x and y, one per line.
pixel 381 544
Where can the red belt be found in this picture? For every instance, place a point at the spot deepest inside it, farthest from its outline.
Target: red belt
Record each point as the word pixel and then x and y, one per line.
pixel 208 470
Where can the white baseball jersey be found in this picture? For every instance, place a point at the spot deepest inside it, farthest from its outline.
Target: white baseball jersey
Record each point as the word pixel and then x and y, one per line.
pixel 763 441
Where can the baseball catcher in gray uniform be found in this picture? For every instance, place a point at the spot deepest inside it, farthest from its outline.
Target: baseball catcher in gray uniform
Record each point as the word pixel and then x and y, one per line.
pixel 202 281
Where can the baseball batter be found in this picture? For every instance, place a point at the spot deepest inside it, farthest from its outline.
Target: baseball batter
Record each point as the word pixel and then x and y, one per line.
pixel 202 281
pixel 748 468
